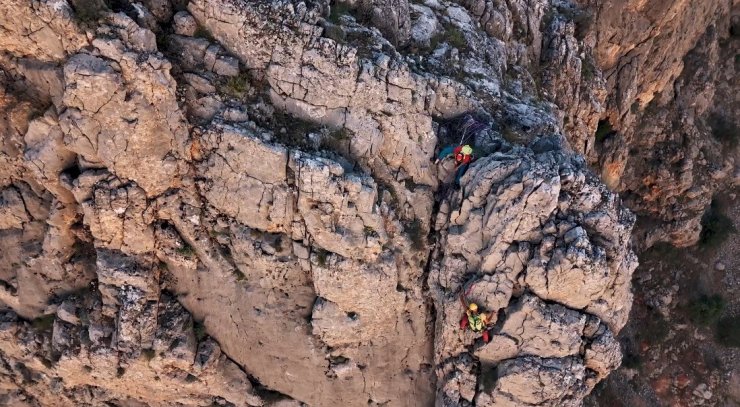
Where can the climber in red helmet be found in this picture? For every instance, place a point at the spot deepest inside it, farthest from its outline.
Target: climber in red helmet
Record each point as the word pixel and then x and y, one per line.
pixel 463 157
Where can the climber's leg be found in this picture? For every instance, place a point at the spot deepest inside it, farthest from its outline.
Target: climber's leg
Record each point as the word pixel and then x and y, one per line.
pixel 486 338
pixel 460 171
pixel 464 322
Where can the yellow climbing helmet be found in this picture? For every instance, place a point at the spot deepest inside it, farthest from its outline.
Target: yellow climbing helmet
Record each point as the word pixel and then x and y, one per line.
pixel 473 307
pixel 467 150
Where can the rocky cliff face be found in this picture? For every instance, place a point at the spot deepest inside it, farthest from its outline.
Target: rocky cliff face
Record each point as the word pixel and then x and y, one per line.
pixel 228 202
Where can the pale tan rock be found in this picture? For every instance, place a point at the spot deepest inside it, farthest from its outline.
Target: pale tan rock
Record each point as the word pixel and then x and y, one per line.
pixel 45 30
pixel 122 110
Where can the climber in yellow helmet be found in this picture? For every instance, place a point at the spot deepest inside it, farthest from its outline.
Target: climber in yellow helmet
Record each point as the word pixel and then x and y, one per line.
pixel 474 318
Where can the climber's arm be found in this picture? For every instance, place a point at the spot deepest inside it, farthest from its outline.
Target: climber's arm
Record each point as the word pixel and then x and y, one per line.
pixel 446 152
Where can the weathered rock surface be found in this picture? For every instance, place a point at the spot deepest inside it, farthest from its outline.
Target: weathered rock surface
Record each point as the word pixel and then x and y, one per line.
pixel 234 203
pixel 546 254
pixel 667 108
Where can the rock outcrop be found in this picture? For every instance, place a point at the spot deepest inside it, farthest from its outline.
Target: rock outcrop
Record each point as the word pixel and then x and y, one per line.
pixel 235 203
pixel 538 242
pixel 660 142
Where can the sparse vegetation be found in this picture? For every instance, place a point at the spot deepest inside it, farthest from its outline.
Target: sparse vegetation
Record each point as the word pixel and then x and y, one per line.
pixel 706 309
pixel 631 360
pixel 120 371
pixel 190 378
pixel 727 332
pixel 276 242
pixel 334 140
pixel 450 35
pixel 455 38
pixel 294 132
pixel 655 328
pixel 47 363
pixel 370 232
pixel 148 354
pixel 186 250
pixel 583 21
pixel 716 226
pixel 199 330
pixel 588 70
pixel 239 275
pixel 724 130
pixel 415 232
pixel 321 257
pixel 236 86
pixel 89 11
pixel 337 10
pixel 163 43
pixel 201 32
pixel 44 323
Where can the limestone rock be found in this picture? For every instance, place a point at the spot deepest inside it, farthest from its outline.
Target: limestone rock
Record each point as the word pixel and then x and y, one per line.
pixel 225 202
pixel 573 233
pixel 45 30
pixel 185 24
pixel 125 94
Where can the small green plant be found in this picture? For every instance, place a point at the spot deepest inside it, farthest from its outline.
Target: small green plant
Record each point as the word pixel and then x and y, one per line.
pixel 583 21
pixel 588 70
pixel 369 232
pixel 716 226
pixel 201 32
pixel 190 378
pixel 276 243
pixel 120 371
pixel 631 360
pixel 239 275
pixel 148 354
pixel 727 332
pixel 706 309
pixel 199 330
pixel 236 86
pixel 725 131
pixel 415 233
pixel 89 11
pixel 163 42
pixel 321 257
pixel 294 131
pixel 455 38
pixel 47 363
pixel 410 184
pixel 186 250
pixel 333 140
pixel 337 10
pixel 603 130
pixel 44 323
pixel 655 329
